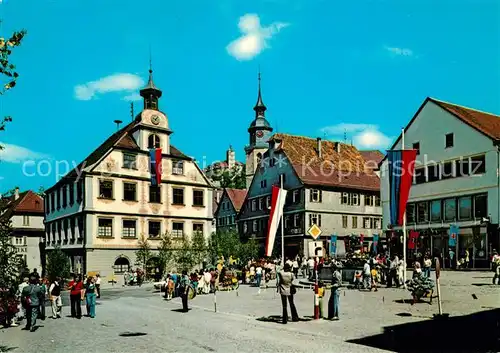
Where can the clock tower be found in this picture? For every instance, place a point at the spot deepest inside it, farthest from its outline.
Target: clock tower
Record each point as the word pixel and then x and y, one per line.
pixel 260 131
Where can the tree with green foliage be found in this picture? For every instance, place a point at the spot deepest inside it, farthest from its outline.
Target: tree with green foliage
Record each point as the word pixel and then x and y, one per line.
pixel 41 191
pixel 10 264
pixel 144 253
pixel 231 178
pixel 185 256
pixel 8 70
pixel 248 251
pixel 166 252
pixel 199 247
pixel 57 264
pixel 223 243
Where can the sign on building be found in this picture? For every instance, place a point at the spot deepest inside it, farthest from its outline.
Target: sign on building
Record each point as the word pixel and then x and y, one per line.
pixel 316 249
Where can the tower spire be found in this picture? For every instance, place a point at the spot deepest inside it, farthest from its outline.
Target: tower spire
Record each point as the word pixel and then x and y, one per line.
pixel 259 108
pixel 150 93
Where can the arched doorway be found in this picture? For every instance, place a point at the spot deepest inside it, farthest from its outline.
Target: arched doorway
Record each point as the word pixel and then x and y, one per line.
pixel 153 268
pixel 122 265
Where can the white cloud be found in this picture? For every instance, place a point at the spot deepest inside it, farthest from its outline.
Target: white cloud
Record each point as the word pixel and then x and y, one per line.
pixel 17 154
pixel 254 38
pixel 364 136
pixel 399 51
pixel 112 83
pixel 132 97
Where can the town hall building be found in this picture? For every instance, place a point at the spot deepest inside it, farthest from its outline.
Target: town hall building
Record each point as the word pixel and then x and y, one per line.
pixel 97 212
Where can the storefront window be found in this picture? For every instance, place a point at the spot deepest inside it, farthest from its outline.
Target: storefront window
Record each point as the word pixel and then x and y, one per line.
pixel 436 211
pixel 410 213
pixel 480 206
pixel 450 209
pixel 422 212
pixel 480 242
pixel 465 208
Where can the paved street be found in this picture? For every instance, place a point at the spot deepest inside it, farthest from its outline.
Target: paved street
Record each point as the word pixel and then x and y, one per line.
pixel 236 328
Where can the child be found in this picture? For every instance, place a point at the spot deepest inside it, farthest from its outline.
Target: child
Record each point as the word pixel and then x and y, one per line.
pixel 321 294
pixel 358 280
pixel 374 273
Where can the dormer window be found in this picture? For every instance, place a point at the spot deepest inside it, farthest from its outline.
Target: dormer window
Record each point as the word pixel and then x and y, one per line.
pixel 153 141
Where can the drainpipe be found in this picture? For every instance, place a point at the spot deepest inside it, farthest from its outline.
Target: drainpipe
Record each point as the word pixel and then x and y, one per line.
pixel 498 194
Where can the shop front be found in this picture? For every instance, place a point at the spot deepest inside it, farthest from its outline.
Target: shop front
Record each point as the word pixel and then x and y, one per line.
pixel 473 246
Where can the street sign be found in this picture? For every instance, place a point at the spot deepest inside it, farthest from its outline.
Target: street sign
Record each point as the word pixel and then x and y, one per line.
pixel 316 249
pixel 314 231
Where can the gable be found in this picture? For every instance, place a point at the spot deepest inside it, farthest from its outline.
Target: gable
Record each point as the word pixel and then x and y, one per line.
pixel 486 124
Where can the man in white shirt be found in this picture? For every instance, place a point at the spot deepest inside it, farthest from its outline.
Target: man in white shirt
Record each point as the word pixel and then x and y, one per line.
pixel 258 276
pixel 98 285
pixel 367 276
pixel 55 298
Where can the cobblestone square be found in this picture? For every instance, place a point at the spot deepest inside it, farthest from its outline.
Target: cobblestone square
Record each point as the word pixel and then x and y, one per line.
pixel 132 319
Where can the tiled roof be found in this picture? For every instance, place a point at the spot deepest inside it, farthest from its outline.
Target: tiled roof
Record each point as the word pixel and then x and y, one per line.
pixel 237 197
pixel 487 123
pixel 373 157
pixel 345 168
pixel 121 138
pixel 28 202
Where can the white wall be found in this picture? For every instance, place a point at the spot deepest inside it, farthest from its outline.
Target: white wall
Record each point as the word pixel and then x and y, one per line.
pixel 429 129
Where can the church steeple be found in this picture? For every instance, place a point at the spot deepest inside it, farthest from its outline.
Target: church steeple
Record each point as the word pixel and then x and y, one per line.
pixel 259 108
pixel 150 93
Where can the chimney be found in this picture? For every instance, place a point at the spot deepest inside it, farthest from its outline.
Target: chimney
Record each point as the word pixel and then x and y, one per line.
pixel 118 122
pixel 16 193
pixel 318 140
pixel 337 147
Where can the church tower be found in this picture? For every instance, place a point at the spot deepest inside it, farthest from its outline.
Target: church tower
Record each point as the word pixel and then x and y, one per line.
pixel 260 131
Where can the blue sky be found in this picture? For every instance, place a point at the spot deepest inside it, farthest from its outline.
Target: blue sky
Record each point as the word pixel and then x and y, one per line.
pixel 326 65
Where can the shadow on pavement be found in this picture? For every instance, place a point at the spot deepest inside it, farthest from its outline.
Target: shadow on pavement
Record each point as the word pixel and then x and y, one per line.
pixel 277 319
pixel 410 301
pixel 180 310
pixel 479 332
pixel 484 284
pixel 6 348
pixel 132 334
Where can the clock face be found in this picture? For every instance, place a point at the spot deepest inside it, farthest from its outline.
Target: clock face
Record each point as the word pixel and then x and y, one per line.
pixel 260 133
pixel 155 119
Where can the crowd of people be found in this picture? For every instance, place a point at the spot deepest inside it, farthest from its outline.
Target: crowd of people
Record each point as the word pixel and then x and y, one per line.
pixel 35 292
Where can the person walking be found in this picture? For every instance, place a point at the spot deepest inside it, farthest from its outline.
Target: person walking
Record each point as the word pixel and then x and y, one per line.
pixel 427 266
pixel 295 266
pixel 183 290
pixel 22 309
pixel 258 276
pixel 55 298
pixel 495 266
pixel 98 285
pixel 31 297
pixel 45 291
pixel 287 290
pixel 367 276
pixel 89 293
pixel 75 295
pixel 333 302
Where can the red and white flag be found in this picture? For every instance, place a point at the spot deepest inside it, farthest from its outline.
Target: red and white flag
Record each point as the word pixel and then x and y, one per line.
pixel 277 204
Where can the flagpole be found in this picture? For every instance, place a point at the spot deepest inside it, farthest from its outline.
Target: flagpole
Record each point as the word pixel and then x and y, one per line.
pixel 282 229
pixel 404 219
